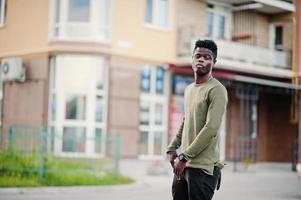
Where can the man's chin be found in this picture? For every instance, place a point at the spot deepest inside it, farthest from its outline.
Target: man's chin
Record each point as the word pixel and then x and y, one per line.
pixel 201 73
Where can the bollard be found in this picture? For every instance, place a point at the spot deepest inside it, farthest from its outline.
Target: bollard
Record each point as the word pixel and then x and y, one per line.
pixel 42 154
pixel 10 138
pixel 117 156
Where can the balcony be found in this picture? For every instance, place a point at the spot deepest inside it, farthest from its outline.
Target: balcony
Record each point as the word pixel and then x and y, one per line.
pixel 252 55
pixel 246 53
pixel 264 6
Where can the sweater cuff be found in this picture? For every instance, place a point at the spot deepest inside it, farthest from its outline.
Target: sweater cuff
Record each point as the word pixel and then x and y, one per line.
pixel 185 156
pixel 170 149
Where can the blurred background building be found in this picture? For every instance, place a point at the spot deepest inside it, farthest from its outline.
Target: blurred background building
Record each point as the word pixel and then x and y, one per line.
pixel 90 68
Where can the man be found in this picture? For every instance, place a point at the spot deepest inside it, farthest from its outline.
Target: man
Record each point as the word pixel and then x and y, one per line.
pixel 197 167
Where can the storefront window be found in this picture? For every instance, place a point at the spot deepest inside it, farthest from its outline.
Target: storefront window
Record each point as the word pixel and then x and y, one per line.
pixel 146 79
pixel 99 109
pixel 158 114
pixel 76 107
pixel 153 111
pixel 98 140
pixel 158 138
pixel 160 80
pixel 179 84
pixel 78 104
pixel 144 112
pixel 74 139
pixel 143 142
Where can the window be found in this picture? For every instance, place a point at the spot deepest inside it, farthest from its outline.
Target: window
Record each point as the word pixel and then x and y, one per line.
pixel 176 102
pixel 144 112
pixel 2 12
pixel 278 37
pixel 160 72
pixel 221 27
pixel 75 107
pixel 210 19
pixel 157 13
pixel 74 139
pixel 218 22
pixel 145 79
pixel 78 105
pixel 98 139
pixel 152 80
pixel 79 10
pixel 81 19
pixel 153 112
pixel 99 109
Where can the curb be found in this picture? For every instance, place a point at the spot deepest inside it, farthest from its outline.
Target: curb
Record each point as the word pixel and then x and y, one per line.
pixel 72 189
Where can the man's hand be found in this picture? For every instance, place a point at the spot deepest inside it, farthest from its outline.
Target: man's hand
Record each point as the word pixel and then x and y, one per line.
pixel 172 155
pixel 178 169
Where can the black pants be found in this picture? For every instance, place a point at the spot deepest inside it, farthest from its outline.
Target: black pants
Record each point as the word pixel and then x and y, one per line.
pixel 196 185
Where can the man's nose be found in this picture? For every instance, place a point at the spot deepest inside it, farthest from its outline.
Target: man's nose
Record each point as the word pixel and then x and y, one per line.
pixel 201 59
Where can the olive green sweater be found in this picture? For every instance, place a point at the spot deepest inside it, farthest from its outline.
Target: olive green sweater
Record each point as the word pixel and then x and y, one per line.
pixel 198 136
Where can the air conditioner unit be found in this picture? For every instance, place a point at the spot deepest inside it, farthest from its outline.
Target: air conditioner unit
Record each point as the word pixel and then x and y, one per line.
pixel 12 70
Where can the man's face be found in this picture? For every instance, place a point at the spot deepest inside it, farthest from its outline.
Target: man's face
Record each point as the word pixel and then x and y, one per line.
pixel 202 61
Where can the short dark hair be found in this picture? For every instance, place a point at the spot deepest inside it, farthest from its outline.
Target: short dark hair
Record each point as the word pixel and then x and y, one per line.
pixel 208 44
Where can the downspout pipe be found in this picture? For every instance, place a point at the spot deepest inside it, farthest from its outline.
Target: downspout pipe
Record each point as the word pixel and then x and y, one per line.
pixel 297 71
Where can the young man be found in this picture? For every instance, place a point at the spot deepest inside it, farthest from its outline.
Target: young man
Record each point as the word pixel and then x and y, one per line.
pixel 197 167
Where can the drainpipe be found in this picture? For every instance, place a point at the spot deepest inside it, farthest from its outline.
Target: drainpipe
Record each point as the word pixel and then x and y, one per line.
pixel 297 70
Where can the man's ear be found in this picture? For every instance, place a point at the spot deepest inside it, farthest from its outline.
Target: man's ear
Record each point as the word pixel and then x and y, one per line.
pixel 214 61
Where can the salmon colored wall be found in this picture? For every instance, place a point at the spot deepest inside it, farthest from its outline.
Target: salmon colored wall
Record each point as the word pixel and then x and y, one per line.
pixel 130 31
pixel 26 26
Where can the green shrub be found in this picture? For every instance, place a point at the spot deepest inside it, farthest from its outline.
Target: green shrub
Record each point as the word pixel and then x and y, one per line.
pixel 18 181
pixel 84 179
pixel 18 169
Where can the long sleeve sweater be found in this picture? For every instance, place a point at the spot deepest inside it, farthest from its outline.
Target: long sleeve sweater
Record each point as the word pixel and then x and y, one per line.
pixel 198 136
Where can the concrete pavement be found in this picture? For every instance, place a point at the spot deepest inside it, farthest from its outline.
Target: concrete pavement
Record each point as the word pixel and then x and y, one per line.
pixel 260 182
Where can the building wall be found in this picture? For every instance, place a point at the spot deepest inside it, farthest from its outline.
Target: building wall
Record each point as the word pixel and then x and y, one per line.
pixel 287 21
pixel 263 128
pixel 251 28
pixel 275 133
pixel 27 103
pixel 262 30
pixel 190 25
pixel 124 90
pixel 244 27
pixel 26 26
pixel 275 144
pixel 232 126
pixel 131 36
pixel 196 18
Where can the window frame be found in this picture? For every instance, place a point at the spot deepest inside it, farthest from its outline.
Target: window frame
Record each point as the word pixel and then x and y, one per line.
pixel 94 23
pixel 90 124
pixel 220 10
pixel 272 36
pixel 3 13
pixel 154 98
pixel 155 16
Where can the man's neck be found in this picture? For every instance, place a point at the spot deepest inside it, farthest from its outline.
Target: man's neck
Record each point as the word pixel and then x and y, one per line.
pixel 202 79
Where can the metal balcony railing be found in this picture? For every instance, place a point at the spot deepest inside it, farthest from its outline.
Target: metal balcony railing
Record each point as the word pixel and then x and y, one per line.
pixel 256 55
pixel 251 50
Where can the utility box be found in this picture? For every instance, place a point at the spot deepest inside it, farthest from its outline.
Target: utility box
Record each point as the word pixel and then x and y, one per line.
pixel 12 70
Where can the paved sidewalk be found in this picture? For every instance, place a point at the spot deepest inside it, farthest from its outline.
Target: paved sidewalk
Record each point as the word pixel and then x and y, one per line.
pixel 265 182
